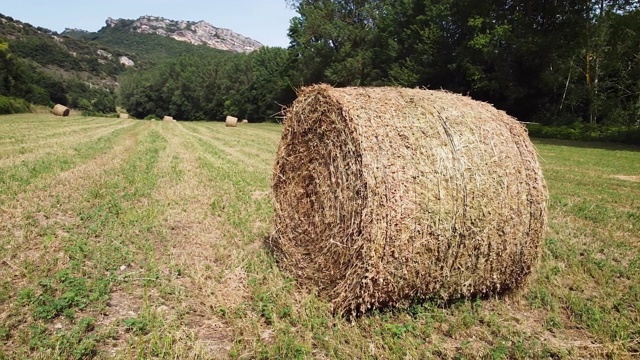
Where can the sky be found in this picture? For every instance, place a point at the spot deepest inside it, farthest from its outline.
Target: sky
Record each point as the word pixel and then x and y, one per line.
pixel 264 20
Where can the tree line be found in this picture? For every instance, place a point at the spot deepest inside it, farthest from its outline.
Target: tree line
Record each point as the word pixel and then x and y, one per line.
pixel 546 61
pixel 208 88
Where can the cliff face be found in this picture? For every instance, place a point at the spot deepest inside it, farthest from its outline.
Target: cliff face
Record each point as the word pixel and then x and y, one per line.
pixel 197 33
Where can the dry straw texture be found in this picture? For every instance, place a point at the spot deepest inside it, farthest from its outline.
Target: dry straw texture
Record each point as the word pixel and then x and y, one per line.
pixel 231 121
pixel 124 116
pixel 388 195
pixel 167 118
pixel 60 110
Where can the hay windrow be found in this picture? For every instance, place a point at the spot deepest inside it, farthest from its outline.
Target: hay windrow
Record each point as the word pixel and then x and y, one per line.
pixel 386 195
pixel 60 110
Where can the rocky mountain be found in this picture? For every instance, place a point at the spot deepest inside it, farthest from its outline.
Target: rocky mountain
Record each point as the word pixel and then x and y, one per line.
pixel 83 69
pixel 196 33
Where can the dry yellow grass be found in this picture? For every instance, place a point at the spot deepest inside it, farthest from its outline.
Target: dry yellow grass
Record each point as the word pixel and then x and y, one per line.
pixel 56 142
pixel 634 178
pixel 246 148
pixel 211 277
pixel 148 242
pixel 49 203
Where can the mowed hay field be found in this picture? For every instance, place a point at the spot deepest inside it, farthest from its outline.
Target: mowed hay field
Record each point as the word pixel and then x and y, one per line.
pixel 146 239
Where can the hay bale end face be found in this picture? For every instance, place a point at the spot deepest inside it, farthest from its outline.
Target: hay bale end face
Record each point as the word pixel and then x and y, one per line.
pixel 231 121
pixel 60 110
pixel 167 118
pixel 388 195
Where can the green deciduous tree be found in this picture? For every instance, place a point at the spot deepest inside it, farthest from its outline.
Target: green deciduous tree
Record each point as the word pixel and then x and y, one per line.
pixel 547 60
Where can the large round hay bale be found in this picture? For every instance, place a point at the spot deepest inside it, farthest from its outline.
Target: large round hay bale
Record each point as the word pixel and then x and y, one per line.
pixel 231 121
pixel 167 118
pixel 388 195
pixel 60 110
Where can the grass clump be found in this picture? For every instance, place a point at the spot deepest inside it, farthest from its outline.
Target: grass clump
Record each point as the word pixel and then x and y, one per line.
pixel 11 105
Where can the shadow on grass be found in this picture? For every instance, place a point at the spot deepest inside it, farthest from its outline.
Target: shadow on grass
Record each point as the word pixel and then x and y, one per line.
pixel 586 144
pixel 412 307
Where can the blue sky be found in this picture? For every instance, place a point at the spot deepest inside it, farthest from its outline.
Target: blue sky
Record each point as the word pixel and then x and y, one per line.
pixel 264 20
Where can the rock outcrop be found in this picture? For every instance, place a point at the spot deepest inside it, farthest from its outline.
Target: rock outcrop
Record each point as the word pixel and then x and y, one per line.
pixel 197 33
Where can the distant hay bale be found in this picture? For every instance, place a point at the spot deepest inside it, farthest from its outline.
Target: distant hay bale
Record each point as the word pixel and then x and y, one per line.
pixel 231 121
pixel 388 195
pixel 167 118
pixel 245 121
pixel 124 116
pixel 60 110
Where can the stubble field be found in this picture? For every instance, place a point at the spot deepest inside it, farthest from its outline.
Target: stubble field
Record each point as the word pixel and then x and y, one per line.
pixel 143 239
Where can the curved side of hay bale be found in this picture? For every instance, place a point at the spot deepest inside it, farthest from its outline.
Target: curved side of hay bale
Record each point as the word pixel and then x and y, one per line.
pixel 60 110
pixel 124 116
pixel 245 121
pixel 231 121
pixel 387 195
pixel 167 118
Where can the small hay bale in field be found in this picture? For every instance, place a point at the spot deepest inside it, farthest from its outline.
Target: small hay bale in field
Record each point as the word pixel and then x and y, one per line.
pixel 231 121
pixel 124 116
pixel 167 118
pixel 60 110
pixel 388 195
pixel 245 121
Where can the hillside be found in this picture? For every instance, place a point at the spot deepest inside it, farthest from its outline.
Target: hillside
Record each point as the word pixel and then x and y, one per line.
pixel 42 67
pixel 150 39
pixel 54 51
pixel 145 49
pixel 83 69
pixel 120 43
pixel 196 33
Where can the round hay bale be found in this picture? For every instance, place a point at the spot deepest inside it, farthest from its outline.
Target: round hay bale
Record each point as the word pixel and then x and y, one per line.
pixel 124 116
pixel 384 196
pixel 167 118
pixel 231 121
pixel 245 121
pixel 60 110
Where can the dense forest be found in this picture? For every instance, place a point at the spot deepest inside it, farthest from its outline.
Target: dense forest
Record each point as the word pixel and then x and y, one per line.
pixel 208 88
pixel 547 61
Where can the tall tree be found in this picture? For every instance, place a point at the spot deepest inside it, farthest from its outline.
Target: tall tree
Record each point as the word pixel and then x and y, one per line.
pixel 334 41
pixel 271 85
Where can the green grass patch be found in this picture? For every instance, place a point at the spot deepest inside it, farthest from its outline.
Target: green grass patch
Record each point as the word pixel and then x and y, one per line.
pixel 110 247
pixel 15 179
